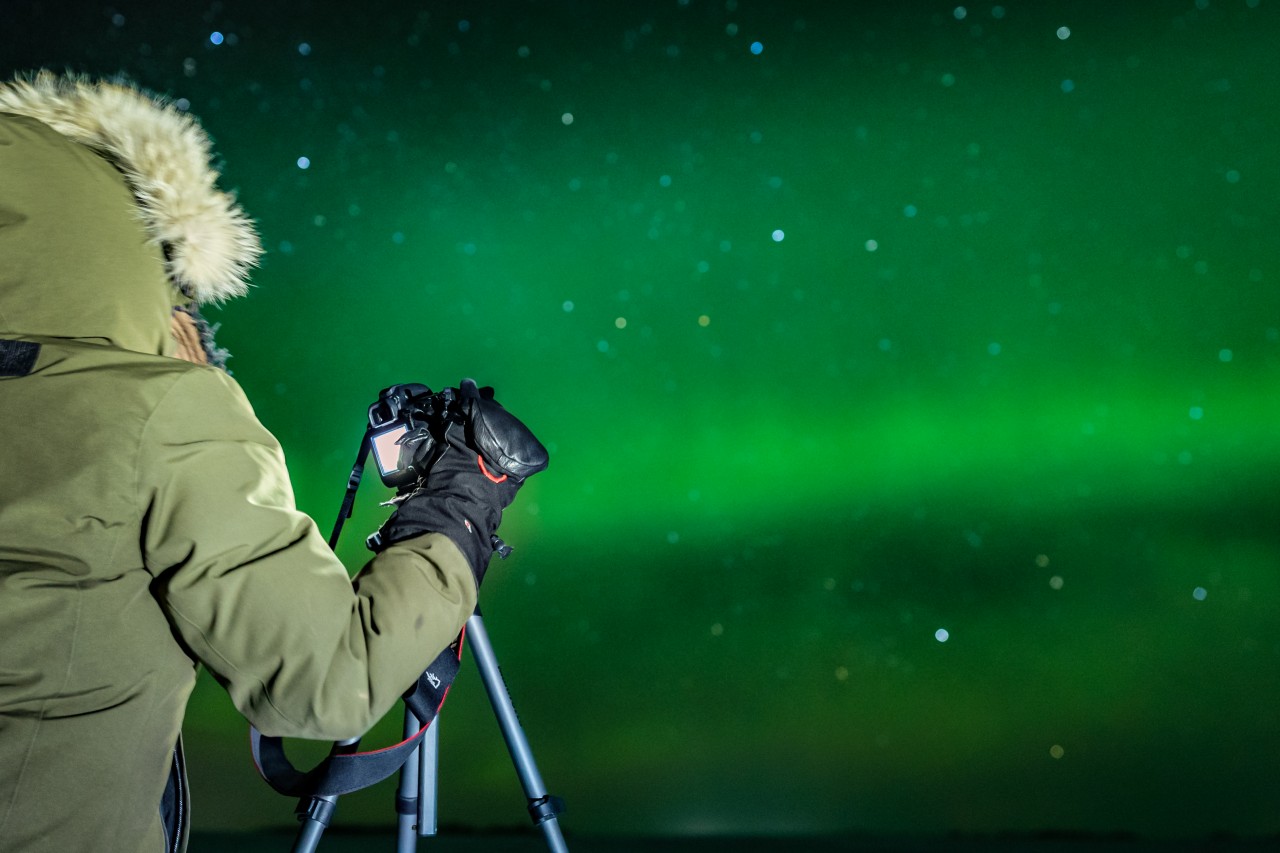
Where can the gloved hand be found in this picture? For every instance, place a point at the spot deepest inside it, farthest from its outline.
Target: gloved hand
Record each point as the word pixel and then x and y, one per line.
pixel 473 464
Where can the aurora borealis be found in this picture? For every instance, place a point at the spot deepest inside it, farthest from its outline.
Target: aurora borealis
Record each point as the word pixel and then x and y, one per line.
pixel 908 371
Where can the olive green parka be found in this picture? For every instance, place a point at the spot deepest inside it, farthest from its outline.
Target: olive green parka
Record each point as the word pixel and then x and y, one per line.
pixel 147 524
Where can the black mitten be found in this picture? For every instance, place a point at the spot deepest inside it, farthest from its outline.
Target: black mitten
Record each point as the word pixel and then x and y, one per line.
pixel 473 463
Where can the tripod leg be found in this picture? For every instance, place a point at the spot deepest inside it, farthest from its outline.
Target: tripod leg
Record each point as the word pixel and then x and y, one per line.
pixel 407 805
pixel 315 813
pixel 416 796
pixel 542 806
pixel 428 787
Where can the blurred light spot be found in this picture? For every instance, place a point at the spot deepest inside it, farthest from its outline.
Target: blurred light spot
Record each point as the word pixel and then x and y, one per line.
pixel 1184 457
pixel 704 321
pixel 215 37
pixel 664 181
pixel 842 673
pixel 286 248
pixel 117 19
pixel 948 79
pixel 567 306
pixel 397 237
pixel 575 184
pixel 1233 177
pixel 942 635
pixel 523 51
pixel 304 49
pixel 997 12
pixel 1042 560
pixel 960 13
pixel 717 629
pixel 673 537
pixel 726 246
pixel 182 104
pixel 1225 355
pixel 778 235
pixel 602 346
pixel 1057 751
pixel 1068 86
pixel 318 220
pixel 621 322
pixel 304 163
pixel 731 29
pixel 189 67
pixel 1064 33
pixel 1199 593
pixel 567 119
pixel 464 26
pixel 757 48
pixel 872 245
pixel 993 348
pixel 885 345
pixel 1055 582
pixel 703 267
pixel 1196 413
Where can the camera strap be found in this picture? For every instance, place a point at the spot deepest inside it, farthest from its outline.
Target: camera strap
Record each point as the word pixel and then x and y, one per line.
pixel 346 770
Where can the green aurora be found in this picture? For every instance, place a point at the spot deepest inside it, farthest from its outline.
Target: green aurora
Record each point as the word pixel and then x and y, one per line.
pixel 910 385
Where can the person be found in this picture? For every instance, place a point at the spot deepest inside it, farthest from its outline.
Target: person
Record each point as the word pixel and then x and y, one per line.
pixel 147 523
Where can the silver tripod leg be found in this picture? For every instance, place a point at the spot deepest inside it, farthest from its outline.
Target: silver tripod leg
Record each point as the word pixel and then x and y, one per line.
pixel 416 796
pixel 542 807
pixel 315 812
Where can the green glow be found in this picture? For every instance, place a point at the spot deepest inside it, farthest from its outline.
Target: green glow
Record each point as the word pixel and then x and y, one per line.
pixel 1010 373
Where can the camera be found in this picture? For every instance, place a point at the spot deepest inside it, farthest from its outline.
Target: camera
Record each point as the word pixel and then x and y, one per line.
pixel 409 430
pixel 405 424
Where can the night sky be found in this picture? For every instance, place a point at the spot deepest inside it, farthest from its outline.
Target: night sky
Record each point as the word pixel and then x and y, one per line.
pixel 908 370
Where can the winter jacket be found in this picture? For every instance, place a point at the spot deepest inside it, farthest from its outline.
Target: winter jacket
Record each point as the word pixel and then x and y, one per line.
pixel 147 526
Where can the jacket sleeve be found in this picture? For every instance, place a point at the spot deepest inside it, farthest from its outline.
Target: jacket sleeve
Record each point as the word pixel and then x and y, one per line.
pixel 253 590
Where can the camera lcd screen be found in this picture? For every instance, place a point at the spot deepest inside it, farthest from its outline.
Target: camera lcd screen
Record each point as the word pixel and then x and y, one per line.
pixel 385 449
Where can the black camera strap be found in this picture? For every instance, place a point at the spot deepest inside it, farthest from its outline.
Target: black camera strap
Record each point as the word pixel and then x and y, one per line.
pixel 345 770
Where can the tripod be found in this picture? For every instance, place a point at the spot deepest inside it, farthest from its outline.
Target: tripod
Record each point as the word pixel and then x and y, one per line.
pixel 416 795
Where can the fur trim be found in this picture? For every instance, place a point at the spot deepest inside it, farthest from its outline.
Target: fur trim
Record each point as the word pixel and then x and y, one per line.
pixel 209 243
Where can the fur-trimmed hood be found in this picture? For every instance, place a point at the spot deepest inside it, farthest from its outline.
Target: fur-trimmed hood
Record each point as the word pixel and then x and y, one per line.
pixel 110 215
pixel 209 244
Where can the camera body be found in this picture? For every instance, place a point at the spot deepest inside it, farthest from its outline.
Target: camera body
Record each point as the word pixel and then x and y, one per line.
pixel 406 423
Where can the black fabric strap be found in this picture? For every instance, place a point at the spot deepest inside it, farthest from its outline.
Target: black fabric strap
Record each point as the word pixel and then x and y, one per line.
pixel 342 773
pixel 18 357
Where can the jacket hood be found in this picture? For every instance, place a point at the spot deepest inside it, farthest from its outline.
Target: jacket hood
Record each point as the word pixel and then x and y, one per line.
pixel 109 214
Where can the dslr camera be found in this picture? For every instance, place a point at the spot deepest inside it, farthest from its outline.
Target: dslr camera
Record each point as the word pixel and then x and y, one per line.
pixel 406 423
pixel 410 426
